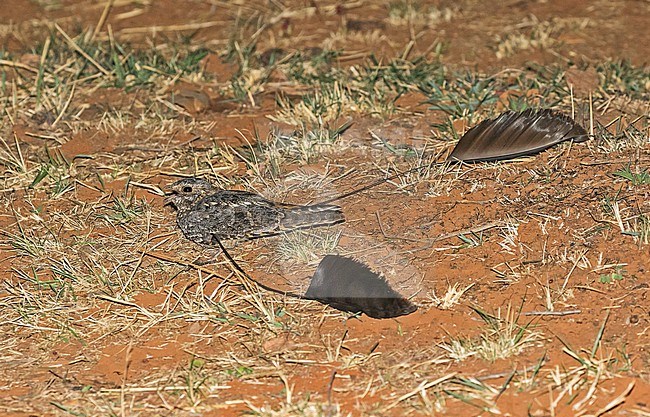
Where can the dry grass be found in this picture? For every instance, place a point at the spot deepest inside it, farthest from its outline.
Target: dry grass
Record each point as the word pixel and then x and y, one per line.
pixel 450 298
pixel 307 247
pixel 533 34
pixel 502 339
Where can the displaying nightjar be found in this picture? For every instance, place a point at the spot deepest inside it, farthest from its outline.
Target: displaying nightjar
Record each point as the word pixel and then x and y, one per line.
pixel 205 212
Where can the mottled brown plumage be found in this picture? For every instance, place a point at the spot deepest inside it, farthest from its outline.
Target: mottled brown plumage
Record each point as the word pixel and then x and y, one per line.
pixel 205 212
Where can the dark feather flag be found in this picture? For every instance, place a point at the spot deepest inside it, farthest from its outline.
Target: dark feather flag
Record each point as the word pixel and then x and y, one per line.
pixel 510 135
pixel 349 285
pixel 516 134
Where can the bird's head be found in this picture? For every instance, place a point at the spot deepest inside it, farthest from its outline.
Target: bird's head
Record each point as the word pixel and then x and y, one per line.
pixel 184 194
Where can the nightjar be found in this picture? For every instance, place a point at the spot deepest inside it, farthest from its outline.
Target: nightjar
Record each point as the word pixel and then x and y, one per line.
pixel 205 212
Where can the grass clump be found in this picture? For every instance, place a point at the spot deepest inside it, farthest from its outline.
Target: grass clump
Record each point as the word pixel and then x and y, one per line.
pixel 117 65
pixel 410 13
pixel 502 338
pixel 641 177
pixel 620 76
pixel 306 247
pixel 451 297
pixel 269 157
pixel 535 34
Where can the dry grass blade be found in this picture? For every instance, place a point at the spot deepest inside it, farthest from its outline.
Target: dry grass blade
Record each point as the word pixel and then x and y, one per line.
pixel 424 385
pixel 451 297
pixel 14 162
pixel 620 399
pixel 502 338
pixel 20 65
pixel 81 52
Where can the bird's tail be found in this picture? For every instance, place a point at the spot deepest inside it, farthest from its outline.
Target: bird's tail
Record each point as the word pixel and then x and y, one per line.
pixel 307 217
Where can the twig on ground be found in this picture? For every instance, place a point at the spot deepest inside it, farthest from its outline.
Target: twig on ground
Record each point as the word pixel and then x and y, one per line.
pixel 552 313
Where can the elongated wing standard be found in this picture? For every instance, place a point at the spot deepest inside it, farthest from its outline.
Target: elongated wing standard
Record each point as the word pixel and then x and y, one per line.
pixel 515 134
pixel 349 285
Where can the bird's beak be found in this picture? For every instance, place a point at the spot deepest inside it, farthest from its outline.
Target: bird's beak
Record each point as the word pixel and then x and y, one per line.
pixel 168 199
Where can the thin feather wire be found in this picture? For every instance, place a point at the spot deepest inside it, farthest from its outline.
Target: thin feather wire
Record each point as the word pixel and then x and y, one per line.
pixel 510 135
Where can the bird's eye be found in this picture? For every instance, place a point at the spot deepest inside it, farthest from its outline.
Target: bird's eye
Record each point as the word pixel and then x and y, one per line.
pixel 187 189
